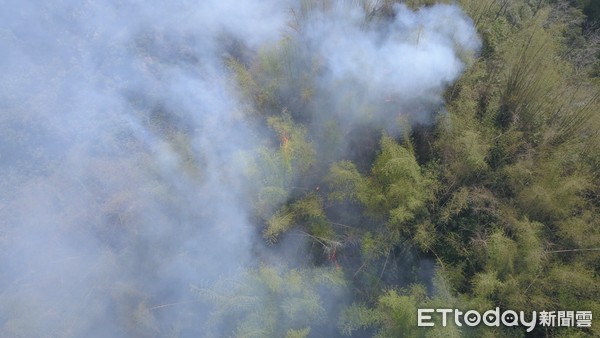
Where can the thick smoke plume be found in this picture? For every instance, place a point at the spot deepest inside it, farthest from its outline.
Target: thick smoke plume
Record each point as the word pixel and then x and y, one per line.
pixel 410 60
pixel 381 70
pixel 124 141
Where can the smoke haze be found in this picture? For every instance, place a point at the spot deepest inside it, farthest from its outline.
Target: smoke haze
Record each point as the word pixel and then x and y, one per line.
pixel 124 143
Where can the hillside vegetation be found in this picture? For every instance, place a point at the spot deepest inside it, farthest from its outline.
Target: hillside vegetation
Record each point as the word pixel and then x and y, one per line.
pixel 500 190
pixel 337 197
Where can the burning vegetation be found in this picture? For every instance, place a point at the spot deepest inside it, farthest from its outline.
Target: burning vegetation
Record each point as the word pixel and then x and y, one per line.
pixel 308 168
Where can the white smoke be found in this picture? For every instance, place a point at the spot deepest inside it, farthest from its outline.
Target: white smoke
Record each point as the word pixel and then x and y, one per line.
pixel 101 210
pixel 121 180
pixel 376 70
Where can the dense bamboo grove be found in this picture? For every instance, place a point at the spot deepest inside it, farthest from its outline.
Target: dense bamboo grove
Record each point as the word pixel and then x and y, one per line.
pixel 500 190
pixel 486 197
